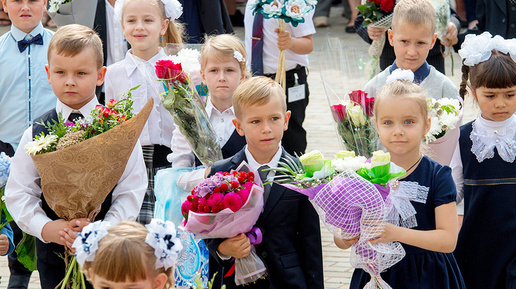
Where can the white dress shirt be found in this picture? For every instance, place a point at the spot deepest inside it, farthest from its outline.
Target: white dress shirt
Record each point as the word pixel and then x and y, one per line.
pixel 116 43
pixel 490 131
pixel 272 164
pixel 134 71
pixel 23 189
pixel 183 156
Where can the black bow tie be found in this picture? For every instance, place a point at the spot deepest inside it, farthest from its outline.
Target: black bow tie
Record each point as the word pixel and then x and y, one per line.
pixel 23 44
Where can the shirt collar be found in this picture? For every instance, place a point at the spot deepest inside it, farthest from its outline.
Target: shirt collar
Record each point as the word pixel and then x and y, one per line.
pixel 495 125
pixel 272 164
pixel 210 108
pixel 18 35
pixel 131 61
pixel 65 110
pixel 420 74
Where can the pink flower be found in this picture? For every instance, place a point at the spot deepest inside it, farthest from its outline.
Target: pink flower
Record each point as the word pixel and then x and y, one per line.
pixel 244 194
pixel 233 201
pixel 111 103
pixel 248 185
pixel 215 199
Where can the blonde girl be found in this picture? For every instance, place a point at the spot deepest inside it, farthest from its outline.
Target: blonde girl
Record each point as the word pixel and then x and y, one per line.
pixel 147 25
pixel 124 256
pixel 483 164
pixel 401 117
pixel 223 67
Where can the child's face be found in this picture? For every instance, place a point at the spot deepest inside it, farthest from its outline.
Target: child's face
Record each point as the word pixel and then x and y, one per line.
pixel 143 27
pixel 25 14
pixel 496 104
pixel 401 127
pixel 411 44
pixel 74 78
pixel 222 77
pixel 263 127
pixel 157 283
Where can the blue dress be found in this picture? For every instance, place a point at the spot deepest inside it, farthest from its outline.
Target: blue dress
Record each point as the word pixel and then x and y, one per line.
pixel 423 268
pixel 486 249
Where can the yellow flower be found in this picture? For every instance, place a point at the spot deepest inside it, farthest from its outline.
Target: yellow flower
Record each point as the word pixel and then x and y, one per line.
pixel 380 158
pixel 313 161
pixel 345 154
pixel 357 115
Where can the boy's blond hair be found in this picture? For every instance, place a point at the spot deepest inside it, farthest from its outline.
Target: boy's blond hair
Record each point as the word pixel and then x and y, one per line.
pixel 70 40
pixel 414 12
pixel 221 47
pixel 124 255
pixel 257 90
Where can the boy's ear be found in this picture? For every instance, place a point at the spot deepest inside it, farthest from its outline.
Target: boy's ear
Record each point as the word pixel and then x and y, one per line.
pixel 238 126
pixel 100 75
pixel 390 35
pixel 434 39
pixel 47 69
pixel 287 117
pixel 4 5
pixel 160 281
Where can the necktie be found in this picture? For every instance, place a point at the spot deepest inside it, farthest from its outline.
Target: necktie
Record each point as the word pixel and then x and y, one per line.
pixel 257 46
pixel 74 116
pixel 24 43
pixel 263 176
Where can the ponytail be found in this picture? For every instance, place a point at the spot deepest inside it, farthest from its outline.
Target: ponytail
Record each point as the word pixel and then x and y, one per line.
pixel 174 33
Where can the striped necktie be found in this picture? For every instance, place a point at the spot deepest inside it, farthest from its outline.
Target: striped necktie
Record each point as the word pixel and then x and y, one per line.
pixel 257 46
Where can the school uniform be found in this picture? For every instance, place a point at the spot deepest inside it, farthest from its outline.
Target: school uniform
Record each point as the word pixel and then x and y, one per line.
pixel 291 245
pixel 25 200
pixel 156 136
pixel 498 17
pixel 484 171
pixel 296 66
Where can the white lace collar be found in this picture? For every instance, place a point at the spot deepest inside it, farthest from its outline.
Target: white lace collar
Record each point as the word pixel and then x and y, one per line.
pixel 486 135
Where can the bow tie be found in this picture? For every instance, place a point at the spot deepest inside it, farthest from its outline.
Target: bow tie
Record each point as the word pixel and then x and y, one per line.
pixel 23 44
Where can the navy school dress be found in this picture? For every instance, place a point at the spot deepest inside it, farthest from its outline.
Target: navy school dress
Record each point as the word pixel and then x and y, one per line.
pixel 422 268
pixel 50 265
pixel 486 249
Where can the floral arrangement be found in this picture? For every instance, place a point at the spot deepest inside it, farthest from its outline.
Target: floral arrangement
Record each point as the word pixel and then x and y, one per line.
pixel 5 166
pixel 351 196
pixel 285 11
pixel 63 134
pixel 354 123
pixel 221 191
pixel 444 115
pixel 53 5
pixel 185 106
pixel 225 205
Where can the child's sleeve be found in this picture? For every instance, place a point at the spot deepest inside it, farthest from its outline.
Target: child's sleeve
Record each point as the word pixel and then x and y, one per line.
pixel 9 233
pixel 23 191
pixel 458 178
pixel 130 189
pixel 445 191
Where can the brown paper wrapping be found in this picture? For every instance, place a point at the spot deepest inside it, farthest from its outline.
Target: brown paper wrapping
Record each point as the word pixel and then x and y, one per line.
pixel 76 180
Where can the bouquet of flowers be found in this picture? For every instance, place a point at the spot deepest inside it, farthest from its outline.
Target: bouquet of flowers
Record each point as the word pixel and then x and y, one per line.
pixel 349 193
pixel 377 13
pixel 187 109
pixel 223 206
pixel 443 14
pixel 445 116
pixel 79 163
pixel 65 12
pixel 285 11
pixel 5 165
pixel 354 123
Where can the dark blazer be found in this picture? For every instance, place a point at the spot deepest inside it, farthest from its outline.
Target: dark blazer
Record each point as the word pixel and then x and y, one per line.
pixel 291 246
pixel 492 16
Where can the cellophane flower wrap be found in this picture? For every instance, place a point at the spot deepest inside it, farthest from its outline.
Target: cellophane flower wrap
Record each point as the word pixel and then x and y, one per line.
pixel 355 123
pixel 225 205
pixel 82 161
pixel 285 11
pixel 377 13
pixel 187 109
pixel 5 167
pixel 349 193
pixel 442 138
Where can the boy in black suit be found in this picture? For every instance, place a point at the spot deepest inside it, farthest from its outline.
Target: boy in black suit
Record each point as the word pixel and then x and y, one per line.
pixel 291 246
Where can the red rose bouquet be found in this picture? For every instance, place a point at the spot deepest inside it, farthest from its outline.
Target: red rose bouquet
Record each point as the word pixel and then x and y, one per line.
pixel 223 206
pixel 354 123
pixel 187 110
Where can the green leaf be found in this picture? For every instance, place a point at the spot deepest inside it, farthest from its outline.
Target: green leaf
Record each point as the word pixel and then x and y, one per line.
pixel 26 251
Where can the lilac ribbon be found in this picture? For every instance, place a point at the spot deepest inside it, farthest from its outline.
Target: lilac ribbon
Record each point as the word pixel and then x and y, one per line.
pixel 255 236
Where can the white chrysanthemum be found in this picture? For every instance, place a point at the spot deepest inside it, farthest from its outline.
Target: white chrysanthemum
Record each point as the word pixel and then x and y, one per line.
pixel 353 163
pixel 449 120
pixel 449 101
pixel 189 59
pixel 435 129
pixel 43 143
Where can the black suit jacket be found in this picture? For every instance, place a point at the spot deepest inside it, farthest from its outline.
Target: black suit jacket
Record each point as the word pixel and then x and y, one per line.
pixel 492 16
pixel 291 246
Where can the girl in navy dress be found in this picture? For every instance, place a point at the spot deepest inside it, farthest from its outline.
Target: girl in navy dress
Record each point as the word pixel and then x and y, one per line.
pixel 483 165
pixel 401 116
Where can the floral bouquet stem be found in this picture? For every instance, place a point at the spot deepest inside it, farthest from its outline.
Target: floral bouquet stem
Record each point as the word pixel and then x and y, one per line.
pixel 281 76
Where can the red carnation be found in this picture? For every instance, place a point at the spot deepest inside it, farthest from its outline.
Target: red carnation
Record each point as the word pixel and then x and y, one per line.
pixel 250 174
pixel 224 187
pixel 234 185
pixel 207 209
pixel 215 209
pixel 387 5
pixel 233 201
pixel 241 180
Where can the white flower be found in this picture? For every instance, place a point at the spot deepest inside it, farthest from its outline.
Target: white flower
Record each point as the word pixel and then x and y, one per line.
pixel 444 116
pixel 41 144
pixel 54 5
pixel 352 163
pixel 356 114
pixel 238 56
pixel 163 238
pixel 87 241
pixel 273 9
pixel 189 59
pixel 296 9
pixel 5 166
